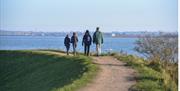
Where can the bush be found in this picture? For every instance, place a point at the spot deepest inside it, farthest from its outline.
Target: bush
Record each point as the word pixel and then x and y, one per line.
pixel 159 48
pixel 147 85
pixel 151 75
pixel 162 53
pixel 156 65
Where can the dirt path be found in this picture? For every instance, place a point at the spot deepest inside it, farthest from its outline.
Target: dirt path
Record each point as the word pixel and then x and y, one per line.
pixel 113 76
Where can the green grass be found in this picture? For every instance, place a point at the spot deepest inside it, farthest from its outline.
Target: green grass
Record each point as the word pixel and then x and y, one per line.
pixel 150 77
pixel 37 71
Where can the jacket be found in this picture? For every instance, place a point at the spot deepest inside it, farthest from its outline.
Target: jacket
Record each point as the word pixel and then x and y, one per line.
pixel 98 37
pixel 87 39
pixel 67 41
pixel 74 40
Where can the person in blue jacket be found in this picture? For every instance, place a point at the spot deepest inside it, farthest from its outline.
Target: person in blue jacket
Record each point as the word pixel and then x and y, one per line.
pixel 86 42
pixel 67 43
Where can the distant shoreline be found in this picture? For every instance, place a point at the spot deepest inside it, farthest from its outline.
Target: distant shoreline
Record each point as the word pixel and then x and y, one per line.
pixel 62 34
pixel 80 35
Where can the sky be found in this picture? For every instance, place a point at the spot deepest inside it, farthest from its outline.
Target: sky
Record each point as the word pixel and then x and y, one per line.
pixel 79 15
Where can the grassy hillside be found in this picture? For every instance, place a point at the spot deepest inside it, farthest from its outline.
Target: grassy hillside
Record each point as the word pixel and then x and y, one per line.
pixel 43 71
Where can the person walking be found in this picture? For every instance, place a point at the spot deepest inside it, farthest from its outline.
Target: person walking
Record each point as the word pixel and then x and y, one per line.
pixel 74 40
pixel 98 40
pixel 86 42
pixel 67 43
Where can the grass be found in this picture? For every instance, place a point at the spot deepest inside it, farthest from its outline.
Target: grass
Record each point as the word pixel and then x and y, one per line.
pixel 150 77
pixel 43 71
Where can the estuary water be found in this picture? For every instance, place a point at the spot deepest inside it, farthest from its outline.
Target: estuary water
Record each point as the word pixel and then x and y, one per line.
pixel 51 42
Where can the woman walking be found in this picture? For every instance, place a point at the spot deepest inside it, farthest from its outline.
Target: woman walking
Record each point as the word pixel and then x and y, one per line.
pixel 74 40
pixel 86 42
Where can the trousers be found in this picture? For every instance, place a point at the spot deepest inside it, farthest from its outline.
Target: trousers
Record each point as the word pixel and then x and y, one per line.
pixel 98 49
pixel 86 49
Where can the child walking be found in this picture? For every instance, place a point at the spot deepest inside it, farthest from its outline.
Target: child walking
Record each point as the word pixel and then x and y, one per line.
pixel 67 43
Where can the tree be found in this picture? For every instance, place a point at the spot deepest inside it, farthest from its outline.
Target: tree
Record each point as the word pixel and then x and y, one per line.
pixel 162 47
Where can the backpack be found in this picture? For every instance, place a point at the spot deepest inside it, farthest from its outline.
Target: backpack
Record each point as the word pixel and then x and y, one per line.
pixel 88 38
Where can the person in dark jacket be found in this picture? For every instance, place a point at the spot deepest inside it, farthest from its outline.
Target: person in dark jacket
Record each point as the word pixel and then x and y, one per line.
pixel 74 40
pixel 67 43
pixel 86 42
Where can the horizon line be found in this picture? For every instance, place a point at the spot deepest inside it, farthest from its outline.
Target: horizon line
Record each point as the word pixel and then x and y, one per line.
pixel 90 31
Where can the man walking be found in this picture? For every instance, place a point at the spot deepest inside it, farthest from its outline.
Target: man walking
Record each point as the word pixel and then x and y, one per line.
pixel 98 40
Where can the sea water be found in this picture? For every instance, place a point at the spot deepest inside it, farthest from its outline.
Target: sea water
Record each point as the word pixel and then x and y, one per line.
pixel 51 42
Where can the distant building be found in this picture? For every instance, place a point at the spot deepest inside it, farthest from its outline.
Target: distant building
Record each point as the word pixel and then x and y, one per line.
pixel 113 34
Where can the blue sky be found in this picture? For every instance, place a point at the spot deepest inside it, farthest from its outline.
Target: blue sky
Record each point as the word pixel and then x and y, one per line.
pixel 78 15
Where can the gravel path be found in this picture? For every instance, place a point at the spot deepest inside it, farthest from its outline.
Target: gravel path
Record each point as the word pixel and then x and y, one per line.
pixel 113 76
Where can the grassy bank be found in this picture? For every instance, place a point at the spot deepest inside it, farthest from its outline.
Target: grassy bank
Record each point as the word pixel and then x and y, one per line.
pixel 43 71
pixel 151 76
